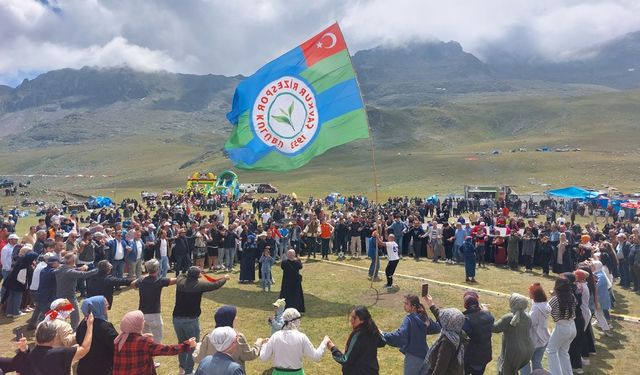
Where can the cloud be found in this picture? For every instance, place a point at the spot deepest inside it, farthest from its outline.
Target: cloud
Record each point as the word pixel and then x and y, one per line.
pixel 237 37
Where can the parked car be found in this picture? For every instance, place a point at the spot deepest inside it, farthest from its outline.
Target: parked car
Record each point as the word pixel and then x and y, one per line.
pixel 267 188
pixel 5 183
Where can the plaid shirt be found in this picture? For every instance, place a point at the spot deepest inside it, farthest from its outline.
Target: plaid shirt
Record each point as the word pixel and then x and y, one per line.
pixel 136 355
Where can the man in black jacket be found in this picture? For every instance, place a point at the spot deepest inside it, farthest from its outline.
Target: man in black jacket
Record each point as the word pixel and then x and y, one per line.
pixel 103 283
pixel 186 312
pixel 181 252
pixel 478 326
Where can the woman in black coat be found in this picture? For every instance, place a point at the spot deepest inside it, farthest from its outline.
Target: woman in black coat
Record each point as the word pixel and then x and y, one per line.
pixel 99 360
pixel 291 289
pixel 361 351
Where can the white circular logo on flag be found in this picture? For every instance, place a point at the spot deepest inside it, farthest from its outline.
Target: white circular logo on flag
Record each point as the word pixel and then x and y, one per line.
pixel 285 115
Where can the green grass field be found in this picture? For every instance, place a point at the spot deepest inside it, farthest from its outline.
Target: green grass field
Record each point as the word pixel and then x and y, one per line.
pixel 332 289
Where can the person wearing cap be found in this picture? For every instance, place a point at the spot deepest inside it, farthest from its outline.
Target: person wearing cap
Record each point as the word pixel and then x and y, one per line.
pixel 67 277
pixel 225 341
pixel 187 310
pixel 287 348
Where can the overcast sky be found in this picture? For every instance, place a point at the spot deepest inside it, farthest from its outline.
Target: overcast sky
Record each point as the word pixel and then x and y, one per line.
pixel 238 36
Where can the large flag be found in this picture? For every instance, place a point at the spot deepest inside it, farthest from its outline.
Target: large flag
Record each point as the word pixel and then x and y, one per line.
pixel 297 106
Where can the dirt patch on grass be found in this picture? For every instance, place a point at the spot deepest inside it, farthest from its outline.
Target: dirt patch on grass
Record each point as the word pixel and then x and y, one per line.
pixel 383 298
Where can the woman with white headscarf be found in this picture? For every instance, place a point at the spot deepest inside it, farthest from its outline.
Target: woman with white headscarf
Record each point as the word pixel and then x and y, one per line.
pixel 58 316
pixel 446 355
pixel 288 347
pixel 517 347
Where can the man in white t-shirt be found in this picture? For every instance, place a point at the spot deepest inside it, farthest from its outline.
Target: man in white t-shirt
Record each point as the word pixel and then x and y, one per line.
pixel 392 255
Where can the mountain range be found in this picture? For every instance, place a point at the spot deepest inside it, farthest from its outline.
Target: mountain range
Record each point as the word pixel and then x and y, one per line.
pixel 416 94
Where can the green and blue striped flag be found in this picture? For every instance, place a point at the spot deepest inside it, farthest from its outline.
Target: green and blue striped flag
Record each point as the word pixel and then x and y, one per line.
pixel 297 106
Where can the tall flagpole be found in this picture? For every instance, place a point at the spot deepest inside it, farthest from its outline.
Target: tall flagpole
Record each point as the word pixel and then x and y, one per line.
pixel 373 148
pixel 373 167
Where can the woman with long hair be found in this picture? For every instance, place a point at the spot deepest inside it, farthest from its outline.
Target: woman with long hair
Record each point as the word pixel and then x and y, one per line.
pixel 361 350
pixel 411 337
pixel 539 314
pixel 563 311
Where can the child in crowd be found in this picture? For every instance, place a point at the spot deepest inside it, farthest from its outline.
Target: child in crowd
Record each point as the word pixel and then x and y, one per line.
pixel 266 261
pixel 276 321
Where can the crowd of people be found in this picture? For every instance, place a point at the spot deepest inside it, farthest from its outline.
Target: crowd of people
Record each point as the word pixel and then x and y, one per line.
pixel 67 258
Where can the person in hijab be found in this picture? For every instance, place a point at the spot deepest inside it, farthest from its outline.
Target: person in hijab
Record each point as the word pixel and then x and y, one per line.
pixel 446 355
pixel 248 260
pixel 361 351
pixel 603 299
pixel 291 289
pixel 225 316
pixel 224 340
pixel 287 348
pixel 134 352
pixel 17 282
pixel 99 360
pixel 58 316
pixel 469 252
pixel 517 347
pixel 478 326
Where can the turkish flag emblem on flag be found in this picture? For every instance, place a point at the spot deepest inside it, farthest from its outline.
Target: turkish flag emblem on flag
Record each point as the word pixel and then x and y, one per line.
pixel 326 43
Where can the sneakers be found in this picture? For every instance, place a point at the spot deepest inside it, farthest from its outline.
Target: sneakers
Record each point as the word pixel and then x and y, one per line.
pixel 156 364
pixel 578 371
pixel 19 314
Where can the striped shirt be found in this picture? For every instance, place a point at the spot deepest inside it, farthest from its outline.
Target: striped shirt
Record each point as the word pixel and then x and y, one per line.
pixel 557 315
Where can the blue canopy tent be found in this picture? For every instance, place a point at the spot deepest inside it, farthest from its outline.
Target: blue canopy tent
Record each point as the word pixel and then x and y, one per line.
pixel 572 192
pixel 99 202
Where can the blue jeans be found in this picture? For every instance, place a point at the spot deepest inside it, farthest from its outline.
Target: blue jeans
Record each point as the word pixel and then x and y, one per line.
pixel 13 302
pixel 186 328
pixel 164 266
pixel 229 256
pixel 536 361
pixel 374 267
pixel 5 274
pixel 118 268
pixel 414 365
